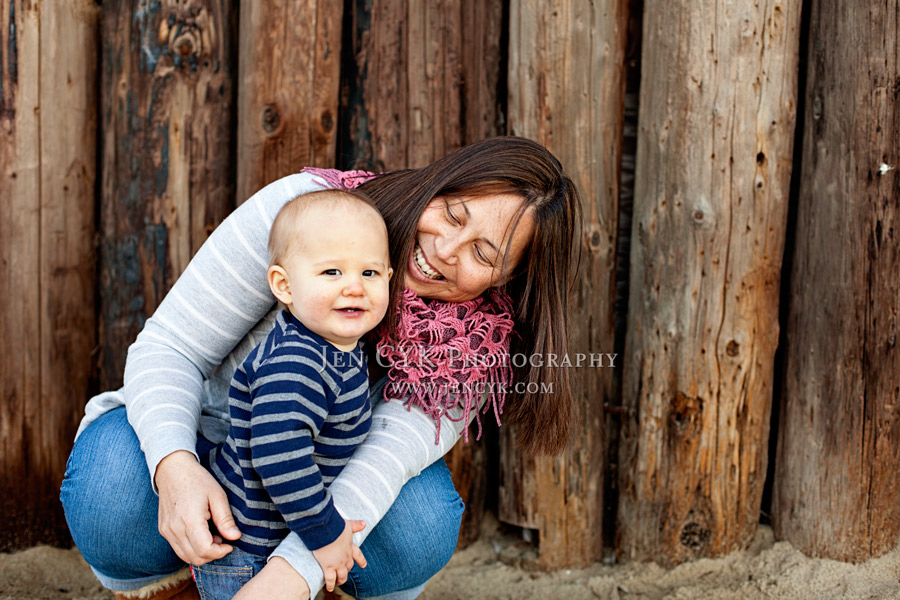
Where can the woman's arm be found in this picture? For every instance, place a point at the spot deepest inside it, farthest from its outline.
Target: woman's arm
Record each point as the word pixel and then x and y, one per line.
pixel 400 444
pixel 212 307
pixel 207 314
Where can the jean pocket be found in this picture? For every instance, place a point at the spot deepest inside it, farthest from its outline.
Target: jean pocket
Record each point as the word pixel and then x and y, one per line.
pixel 220 582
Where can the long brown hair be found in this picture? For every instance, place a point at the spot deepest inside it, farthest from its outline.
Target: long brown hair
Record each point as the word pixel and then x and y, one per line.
pixel 540 282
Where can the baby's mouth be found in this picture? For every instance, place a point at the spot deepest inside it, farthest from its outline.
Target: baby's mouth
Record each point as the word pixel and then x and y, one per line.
pixel 424 266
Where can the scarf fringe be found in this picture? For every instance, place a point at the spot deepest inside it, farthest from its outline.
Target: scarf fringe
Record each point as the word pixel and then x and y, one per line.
pixel 447 355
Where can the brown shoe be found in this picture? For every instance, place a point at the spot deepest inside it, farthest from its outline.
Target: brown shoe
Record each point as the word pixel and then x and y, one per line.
pixel 179 586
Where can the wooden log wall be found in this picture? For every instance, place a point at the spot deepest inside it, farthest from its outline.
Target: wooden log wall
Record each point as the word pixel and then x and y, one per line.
pixel 716 123
pixel 562 51
pixel 422 80
pixel 396 84
pixel 167 106
pixel 47 186
pixel 290 56
pixel 836 484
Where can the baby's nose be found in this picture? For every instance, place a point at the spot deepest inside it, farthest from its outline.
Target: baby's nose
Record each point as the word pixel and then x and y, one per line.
pixel 354 288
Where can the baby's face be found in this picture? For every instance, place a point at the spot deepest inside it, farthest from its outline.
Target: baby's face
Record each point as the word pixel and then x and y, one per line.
pixel 338 270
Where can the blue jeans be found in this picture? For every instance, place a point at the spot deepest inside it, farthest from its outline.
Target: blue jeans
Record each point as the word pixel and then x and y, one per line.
pixel 221 579
pixel 112 515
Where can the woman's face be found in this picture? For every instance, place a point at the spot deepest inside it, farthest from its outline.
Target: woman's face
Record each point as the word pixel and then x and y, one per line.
pixel 461 244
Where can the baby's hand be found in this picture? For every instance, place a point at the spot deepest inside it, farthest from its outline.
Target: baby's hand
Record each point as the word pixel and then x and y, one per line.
pixel 336 559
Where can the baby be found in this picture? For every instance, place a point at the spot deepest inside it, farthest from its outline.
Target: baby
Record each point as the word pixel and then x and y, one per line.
pixel 299 402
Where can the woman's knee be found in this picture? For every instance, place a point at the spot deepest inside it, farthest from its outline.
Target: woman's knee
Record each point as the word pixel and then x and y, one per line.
pixel 109 504
pixel 416 537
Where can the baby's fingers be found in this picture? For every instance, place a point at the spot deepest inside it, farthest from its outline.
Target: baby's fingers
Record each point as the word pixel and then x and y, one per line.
pixel 330 578
pixel 358 556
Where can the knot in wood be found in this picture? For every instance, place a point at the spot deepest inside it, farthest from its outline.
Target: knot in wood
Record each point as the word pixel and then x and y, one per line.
pixel 684 415
pixel 271 118
pixel 817 107
pixel 327 121
pixel 185 39
pixel 594 239
pixel 694 536
pixel 733 348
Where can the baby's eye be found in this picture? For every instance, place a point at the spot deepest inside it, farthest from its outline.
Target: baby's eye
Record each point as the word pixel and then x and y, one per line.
pixel 370 273
pixel 331 272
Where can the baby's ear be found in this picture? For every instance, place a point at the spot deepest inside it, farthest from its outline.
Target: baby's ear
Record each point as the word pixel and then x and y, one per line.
pixel 390 272
pixel 279 284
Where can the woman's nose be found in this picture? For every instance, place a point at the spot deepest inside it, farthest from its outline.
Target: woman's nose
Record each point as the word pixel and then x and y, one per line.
pixel 446 247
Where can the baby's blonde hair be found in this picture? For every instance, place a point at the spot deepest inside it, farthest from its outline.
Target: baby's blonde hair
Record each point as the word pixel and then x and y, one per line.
pixel 290 218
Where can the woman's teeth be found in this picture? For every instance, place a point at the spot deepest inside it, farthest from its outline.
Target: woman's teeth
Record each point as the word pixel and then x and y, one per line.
pixel 428 271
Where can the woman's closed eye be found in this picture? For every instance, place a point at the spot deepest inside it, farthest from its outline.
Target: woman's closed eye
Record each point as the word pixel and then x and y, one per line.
pixel 451 216
pixel 481 257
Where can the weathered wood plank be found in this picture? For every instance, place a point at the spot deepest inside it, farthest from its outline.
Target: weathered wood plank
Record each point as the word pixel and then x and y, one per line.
pixel 717 112
pixel 566 90
pixel 290 55
pixel 48 331
pixel 836 484
pixel 423 81
pixel 20 240
pixel 167 166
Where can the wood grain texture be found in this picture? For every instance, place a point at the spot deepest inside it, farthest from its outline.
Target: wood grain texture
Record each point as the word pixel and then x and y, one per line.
pixel 290 56
pixel 716 123
pixel 423 80
pixel 167 165
pixel 48 116
pixel 836 484
pixel 566 90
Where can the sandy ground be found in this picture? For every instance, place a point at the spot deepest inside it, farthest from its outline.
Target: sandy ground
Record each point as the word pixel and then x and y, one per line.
pixel 491 569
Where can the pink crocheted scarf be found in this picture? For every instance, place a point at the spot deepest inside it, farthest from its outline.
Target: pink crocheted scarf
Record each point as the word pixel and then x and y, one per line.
pixel 448 355
pixel 444 355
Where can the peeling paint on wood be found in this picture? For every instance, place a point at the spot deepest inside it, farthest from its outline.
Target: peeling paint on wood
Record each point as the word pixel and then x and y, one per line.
pixel 168 102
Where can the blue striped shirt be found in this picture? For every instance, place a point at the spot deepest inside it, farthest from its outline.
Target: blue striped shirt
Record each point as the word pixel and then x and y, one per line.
pixel 299 408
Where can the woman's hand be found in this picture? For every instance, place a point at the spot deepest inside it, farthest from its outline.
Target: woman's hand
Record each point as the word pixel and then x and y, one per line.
pixel 188 498
pixel 278 579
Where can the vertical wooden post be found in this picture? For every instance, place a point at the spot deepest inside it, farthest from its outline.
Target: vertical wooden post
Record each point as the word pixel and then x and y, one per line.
pixel 836 484
pixel 290 57
pixel 423 81
pixel 48 119
pixel 167 164
pixel 566 90
pixel 716 122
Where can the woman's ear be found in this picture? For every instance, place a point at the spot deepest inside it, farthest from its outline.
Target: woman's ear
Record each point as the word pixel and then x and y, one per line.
pixel 279 284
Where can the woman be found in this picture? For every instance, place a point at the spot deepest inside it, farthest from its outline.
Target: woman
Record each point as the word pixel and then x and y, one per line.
pixel 496 214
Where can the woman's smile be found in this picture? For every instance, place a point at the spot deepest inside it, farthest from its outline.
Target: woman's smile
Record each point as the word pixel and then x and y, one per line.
pixel 426 269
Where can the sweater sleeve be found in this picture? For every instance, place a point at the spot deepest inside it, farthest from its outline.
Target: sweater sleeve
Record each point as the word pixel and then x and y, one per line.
pixel 288 410
pixel 218 299
pixel 400 444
